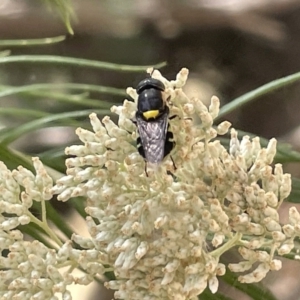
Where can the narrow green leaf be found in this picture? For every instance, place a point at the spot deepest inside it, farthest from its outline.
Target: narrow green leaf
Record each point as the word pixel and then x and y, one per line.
pixel 79 62
pixel 54 158
pixel 65 10
pixel 66 86
pixel 255 291
pixel 36 233
pixel 13 134
pixel 254 94
pixel 68 25
pixel 4 53
pixel 22 112
pixel 58 220
pixel 77 99
pixel 207 295
pixel 79 205
pixel 294 197
pixel 12 159
pixel 32 42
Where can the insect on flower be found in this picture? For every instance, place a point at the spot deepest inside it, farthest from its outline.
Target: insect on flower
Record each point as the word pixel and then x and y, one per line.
pixel 155 141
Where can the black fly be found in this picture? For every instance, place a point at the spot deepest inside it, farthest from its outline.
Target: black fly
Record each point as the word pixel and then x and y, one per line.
pixel 152 116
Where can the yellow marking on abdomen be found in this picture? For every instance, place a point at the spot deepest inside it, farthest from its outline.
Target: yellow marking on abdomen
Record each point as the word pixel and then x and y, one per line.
pixel 151 114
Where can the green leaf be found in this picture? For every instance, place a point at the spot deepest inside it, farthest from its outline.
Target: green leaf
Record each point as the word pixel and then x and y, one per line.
pixel 207 295
pixel 12 159
pixel 54 158
pixel 7 137
pixel 4 53
pixel 79 204
pixel 255 291
pixel 77 99
pixel 65 10
pixel 79 62
pixel 58 220
pixel 74 99
pixel 22 112
pixel 32 42
pixel 36 233
pixel 294 197
pixel 6 91
pixel 254 94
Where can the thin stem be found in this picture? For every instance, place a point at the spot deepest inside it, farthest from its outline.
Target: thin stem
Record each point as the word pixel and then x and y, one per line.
pixel 44 212
pixel 229 244
pixel 45 227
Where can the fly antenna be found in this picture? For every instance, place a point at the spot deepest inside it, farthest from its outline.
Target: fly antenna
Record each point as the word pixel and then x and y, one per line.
pixel 150 71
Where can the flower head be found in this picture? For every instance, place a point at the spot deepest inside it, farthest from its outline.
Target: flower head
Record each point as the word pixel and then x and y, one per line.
pixel 29 269
pixel 161 229
pixel 163 232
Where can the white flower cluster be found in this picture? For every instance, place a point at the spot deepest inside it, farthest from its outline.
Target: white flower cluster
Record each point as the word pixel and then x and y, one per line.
pixel 25 262
pixel 162 232
pixel 30 269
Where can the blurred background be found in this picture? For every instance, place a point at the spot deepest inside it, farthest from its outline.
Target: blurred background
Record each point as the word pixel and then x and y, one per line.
pixel 230 47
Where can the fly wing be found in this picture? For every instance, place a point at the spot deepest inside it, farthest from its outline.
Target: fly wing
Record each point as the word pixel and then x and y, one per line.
pixel 153 137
